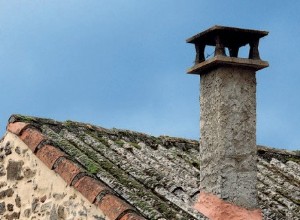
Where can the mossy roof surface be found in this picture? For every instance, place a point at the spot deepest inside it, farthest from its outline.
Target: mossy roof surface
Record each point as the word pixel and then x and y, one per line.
pixel 160 175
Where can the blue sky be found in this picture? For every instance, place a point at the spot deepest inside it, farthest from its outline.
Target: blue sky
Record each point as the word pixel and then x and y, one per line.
pixel 122 63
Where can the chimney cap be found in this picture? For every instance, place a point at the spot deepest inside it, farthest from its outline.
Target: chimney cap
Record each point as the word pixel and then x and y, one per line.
pixel 231 36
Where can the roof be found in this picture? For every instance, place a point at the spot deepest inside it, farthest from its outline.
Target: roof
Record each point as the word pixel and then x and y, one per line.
pixel 155 177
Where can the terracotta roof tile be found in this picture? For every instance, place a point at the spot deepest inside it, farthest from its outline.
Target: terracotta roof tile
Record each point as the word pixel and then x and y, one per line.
pixel 90 188
pixel 132 216
pixel 67 170
pixel 32 138
pixel 49 155
pixel 113 207
pixel 17 127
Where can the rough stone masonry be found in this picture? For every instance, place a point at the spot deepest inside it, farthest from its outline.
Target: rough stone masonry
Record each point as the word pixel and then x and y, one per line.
pixel 29 190
pixel 228 135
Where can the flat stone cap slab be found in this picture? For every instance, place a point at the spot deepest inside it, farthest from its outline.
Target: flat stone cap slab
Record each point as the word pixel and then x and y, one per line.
pixel 230 36
pixel 216 61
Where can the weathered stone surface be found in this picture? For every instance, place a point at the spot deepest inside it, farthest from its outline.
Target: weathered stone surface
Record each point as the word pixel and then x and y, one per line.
pixel 18 201
pixel 228 135
pixel 43 198
pixel 53 213
pixel 61 212
pixel 9 192
pixel 2 156
pixel 10 207
pixel 27 213
pixel 2 208
pixel 14 169
pixel 82 213
pixel 35 205
pixel 28 173
pixel 2 170
pixel 14 215
pixel 17 150
pixel 46 207
pixel 98 217
pixel 7 148
pixel 6 193
pixel 2 184
pixel 59 196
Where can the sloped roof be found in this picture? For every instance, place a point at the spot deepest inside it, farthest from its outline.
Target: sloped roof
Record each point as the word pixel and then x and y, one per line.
pixel 158 177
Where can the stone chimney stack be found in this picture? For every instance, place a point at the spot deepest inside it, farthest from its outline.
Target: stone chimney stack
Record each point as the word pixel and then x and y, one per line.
pixel 228 116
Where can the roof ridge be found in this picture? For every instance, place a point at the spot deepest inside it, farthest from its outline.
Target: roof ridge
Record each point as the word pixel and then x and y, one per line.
pixel 37 122
pixel 33 120
pixel 279 151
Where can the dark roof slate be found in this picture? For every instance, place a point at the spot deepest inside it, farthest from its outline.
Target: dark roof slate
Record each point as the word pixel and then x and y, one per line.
pixel 159 176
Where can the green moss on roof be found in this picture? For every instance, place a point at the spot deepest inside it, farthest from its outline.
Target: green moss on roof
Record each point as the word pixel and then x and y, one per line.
pixel 135 145
pixel 119 142
pixel 94 163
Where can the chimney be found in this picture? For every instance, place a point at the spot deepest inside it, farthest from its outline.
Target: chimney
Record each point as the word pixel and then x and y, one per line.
pixel 228 171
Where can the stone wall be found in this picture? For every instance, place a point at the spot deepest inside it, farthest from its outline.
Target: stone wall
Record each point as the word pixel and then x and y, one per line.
pixel 228 135
pixel 29 190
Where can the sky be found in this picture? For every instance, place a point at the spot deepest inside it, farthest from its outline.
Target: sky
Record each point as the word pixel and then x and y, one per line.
pixel 122 64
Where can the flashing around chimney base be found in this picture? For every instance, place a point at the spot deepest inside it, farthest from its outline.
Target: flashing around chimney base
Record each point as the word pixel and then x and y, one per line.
pixel 215 208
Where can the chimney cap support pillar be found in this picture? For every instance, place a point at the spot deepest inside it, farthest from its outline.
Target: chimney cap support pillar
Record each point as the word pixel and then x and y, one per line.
pixel 219 49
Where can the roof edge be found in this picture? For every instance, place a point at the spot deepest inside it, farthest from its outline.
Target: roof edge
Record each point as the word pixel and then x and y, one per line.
pixel 71 173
